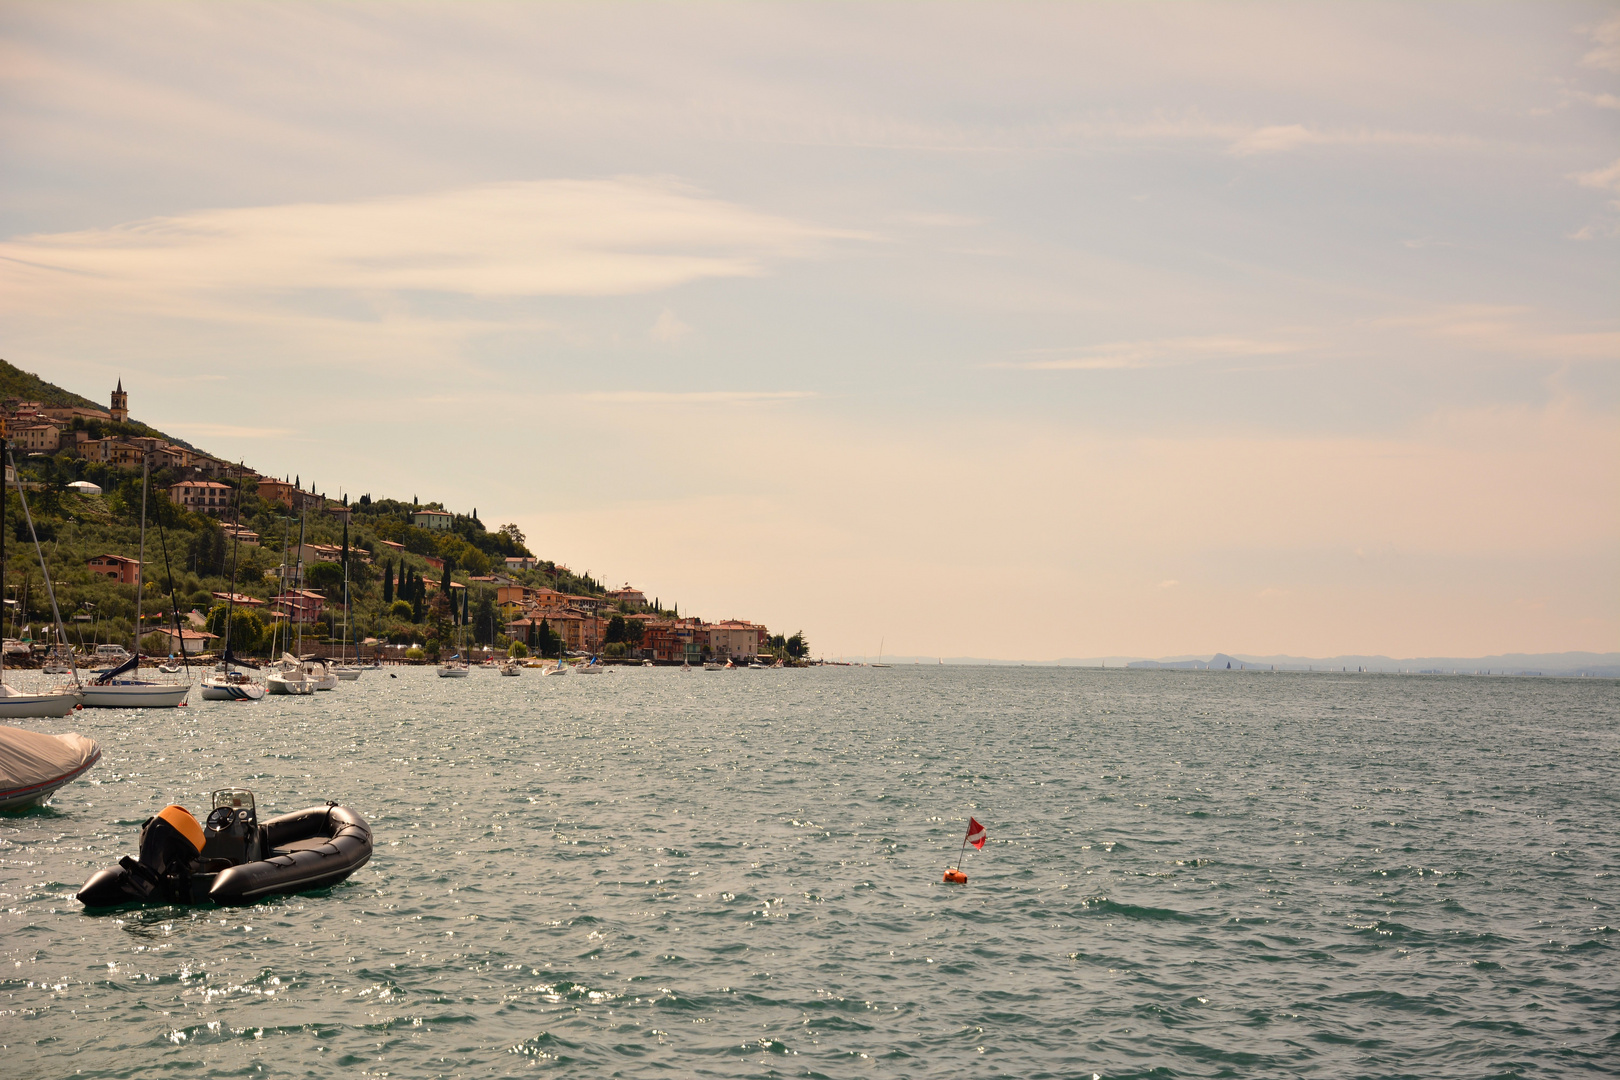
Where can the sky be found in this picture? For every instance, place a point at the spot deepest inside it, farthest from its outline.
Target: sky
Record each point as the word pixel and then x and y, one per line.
pixel 1008 331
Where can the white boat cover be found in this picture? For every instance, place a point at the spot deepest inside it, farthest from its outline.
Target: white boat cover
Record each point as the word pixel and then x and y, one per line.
pixel 30 759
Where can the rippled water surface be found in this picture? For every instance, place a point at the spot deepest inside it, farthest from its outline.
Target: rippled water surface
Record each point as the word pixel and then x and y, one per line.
pixel 649 874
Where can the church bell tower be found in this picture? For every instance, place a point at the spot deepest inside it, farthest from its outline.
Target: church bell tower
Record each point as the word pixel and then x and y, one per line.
pixel 120 404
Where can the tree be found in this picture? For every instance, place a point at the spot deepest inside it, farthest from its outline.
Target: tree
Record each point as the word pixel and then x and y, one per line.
pixel 485 618
pixel 633 630
pixel 388 583
pixel 549 641
pixel 512 533
pixel 517 650
pixel 615 630
pixel 798 646
pixel 401 609
pixel 247 627
pixel 327 577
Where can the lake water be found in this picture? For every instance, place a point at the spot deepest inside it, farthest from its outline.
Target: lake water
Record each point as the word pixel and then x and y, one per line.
pixel 737 874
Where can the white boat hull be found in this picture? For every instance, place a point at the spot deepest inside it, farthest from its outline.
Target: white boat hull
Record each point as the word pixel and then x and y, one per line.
pixel 348 674
pixel 453 672
pixel 35 706
pixel 135 695
pixel 279 683
pixel 231 691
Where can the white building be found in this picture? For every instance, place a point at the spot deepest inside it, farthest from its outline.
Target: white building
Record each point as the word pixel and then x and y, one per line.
pixel 437 520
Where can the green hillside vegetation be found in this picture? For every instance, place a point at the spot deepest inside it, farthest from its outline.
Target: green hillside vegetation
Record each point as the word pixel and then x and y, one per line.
pixel 395 595
pixel 74 528
pixel 17 383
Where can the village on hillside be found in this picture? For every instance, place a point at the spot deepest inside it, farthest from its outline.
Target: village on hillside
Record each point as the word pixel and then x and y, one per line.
pixel 421 580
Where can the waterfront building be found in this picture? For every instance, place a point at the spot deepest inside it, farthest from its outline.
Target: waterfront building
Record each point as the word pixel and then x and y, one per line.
pixel 190 642
pixel 735 639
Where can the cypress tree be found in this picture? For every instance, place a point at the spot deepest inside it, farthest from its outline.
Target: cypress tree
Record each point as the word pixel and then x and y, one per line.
pixel 388 583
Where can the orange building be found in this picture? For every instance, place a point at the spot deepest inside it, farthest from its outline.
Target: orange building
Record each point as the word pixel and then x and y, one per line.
pixel 122 570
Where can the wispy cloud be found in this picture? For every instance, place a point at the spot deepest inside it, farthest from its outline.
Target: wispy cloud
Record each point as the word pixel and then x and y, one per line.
pixel 1602 101
pixel 1280 138
pixel 1162 352
pixel 1607 178
pixel 1514 330
pixel 668 328
pixel 693 397
pixel 1605 52
pixel 194 430
pixel 534 238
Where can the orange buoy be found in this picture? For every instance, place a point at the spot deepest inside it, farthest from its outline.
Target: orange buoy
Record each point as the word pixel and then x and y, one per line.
pixel 955 877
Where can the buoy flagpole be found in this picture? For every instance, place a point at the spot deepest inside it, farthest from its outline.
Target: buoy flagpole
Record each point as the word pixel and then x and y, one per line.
pixel 974 829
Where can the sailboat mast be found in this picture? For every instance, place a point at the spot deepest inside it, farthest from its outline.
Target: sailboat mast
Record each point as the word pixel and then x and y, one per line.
pixel 5 455
pixel 140 566
pixel 230 597
pixel 298 576
pixel 50 589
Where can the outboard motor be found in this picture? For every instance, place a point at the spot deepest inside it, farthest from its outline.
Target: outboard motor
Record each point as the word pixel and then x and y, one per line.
pixel 170 845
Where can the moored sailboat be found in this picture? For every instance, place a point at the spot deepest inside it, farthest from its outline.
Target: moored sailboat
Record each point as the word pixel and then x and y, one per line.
pixel 226 683
pixel 123 687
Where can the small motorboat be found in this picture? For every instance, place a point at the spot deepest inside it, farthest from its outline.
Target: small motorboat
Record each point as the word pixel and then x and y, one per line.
pixel 33 765
pixel 231 858
pixel 511 667
pixel 348 674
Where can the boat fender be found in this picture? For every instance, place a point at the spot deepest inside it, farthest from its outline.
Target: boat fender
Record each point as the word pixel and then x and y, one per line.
pixel 955 877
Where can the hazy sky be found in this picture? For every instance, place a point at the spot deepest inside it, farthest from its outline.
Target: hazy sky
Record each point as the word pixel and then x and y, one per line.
pixel 993 330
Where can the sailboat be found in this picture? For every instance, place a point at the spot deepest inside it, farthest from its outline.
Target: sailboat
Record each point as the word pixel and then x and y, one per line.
pixel 226 683
pixel 455 667
pixel 880 662
pixel 286 677
pixel 289 677
pixel 299 671
pixel 122 687
pixel 344 670
pixel 14 703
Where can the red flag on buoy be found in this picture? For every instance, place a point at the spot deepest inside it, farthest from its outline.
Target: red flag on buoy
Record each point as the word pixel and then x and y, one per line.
pixel 975 833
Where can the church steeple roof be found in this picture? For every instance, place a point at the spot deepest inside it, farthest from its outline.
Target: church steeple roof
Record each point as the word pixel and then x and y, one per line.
pixel 120 384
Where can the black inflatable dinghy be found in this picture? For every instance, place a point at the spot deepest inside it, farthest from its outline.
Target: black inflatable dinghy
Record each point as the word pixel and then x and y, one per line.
pixel 232 859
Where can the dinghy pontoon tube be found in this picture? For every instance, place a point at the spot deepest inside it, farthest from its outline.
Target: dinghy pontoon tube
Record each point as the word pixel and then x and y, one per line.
pixel 232 859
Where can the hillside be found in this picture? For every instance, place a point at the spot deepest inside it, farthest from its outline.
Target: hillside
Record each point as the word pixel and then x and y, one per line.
pixel 17 383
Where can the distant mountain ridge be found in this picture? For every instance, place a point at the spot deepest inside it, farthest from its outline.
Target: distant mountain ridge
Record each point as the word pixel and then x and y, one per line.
pixel 1565 664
